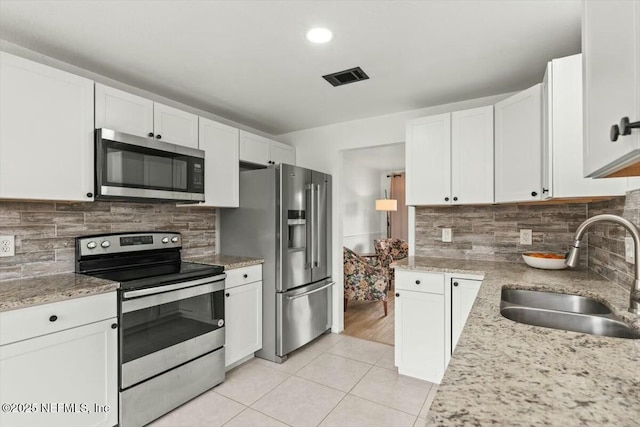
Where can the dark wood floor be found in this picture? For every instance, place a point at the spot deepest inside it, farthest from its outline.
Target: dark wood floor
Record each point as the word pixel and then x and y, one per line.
pixel 366 320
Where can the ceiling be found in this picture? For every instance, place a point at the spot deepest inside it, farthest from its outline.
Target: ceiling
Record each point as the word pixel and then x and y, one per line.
pixel 249 61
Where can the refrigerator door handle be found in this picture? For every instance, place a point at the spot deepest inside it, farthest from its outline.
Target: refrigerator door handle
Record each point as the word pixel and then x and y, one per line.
pixel 309 245
pixel 306 294
pixel 316 225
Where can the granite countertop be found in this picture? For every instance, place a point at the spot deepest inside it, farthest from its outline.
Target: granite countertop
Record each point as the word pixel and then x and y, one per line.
pixel 508 373
pixel 229 262
pixel 21 293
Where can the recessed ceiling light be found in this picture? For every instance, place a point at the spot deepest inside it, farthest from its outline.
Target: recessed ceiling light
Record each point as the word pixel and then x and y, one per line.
pixel 319 35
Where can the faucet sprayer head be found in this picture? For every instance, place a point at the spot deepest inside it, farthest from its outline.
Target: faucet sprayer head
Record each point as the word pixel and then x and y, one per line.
pixel 573 255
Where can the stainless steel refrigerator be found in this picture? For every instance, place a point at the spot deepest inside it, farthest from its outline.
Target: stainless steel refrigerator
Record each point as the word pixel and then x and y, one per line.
pixel 285 218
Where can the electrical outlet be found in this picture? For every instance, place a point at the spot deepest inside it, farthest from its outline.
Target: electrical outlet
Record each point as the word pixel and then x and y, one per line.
pixel 629 250
pixel 7 246
pixel 447 235
pixel 526 237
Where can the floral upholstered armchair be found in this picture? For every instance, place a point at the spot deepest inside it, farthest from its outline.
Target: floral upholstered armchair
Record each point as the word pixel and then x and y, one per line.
pixel 364 280
pixel 389 250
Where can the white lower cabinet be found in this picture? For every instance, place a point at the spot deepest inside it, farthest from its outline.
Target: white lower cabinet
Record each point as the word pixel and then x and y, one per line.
pixel 64 378
pixel 431 310
pixel 463 294
pixel 243 313
pixel 420 325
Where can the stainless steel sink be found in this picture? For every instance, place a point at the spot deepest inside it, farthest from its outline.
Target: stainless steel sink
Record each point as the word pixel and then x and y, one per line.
pixel 561 311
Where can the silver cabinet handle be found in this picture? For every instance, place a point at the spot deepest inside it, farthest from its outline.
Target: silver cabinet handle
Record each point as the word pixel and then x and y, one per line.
pixel 311 292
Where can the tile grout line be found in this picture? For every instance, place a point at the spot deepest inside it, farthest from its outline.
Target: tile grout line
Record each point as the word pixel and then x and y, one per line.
pixel 391 407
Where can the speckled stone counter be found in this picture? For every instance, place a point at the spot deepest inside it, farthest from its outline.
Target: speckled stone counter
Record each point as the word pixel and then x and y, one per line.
pixel 20 293
pixel 229 262
pixel 508 373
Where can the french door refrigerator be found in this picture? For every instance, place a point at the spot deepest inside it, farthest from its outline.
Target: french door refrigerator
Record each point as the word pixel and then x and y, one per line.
pixel 284 217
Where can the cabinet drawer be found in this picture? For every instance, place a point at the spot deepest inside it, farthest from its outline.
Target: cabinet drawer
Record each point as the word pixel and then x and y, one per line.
pixel 21 324
pixel 420 281
pixel 242 276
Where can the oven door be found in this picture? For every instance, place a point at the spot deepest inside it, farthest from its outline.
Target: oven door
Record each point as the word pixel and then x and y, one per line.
pixel 166 326
pixel 131 167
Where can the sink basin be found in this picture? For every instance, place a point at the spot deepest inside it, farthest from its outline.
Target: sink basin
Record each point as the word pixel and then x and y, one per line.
pixel 561 311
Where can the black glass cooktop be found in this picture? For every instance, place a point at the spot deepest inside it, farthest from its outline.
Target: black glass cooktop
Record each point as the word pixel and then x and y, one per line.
pixel 155 275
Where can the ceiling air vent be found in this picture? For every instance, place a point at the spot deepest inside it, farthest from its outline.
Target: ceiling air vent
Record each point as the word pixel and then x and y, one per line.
pixel 351 75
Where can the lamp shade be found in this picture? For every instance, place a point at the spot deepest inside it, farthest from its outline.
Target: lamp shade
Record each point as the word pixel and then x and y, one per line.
pixel 386 205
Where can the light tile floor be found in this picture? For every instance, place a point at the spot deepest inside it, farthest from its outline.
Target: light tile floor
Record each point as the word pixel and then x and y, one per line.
pixel 337 380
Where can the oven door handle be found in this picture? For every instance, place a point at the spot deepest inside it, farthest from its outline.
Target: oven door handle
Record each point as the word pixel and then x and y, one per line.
pixel 171 296
pixel 173 287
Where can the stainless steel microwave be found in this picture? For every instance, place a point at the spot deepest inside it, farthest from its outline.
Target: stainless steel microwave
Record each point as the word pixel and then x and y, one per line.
pixel 129 167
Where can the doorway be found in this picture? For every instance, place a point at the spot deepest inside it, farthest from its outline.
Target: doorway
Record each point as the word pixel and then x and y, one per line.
pixel 371 174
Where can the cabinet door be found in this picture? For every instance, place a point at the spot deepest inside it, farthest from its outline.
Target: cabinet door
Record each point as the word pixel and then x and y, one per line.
pixel 123 112
pixel 518 146
pixel 243 324
pixel 419 335
pixel 428 160
pixel 46 132
pixel 463 294
pixel 472 156
pixel 282 153
pixel 254 148
pixel 78 366
pixel 563 135
pixel 611 49
pixel 175 126
pixel 221 163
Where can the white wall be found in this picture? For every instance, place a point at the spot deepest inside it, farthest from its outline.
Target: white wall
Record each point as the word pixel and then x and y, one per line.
pixel 361 222
pixel 321 149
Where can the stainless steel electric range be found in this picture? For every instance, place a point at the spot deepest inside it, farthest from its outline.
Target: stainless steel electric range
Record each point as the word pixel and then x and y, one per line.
pixel 171 319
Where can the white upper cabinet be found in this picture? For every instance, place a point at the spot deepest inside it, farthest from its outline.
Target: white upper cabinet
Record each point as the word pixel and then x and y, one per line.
pixel 264 151
pixel 254 148
pixel 449 158
pixel 123 112
pixel 428 160
pixel 611 49
pixel 472 156
pixel 562 172
pixel 518 146
pixel 222 166
pixel 282 153
pixel 132 114
pixel 175 126
pixel 46 132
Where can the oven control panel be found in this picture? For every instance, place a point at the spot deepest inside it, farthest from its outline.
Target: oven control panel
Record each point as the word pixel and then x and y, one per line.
pixel 127 242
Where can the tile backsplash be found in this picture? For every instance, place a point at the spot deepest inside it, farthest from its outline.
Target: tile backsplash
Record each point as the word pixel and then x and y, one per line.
pixel 606 241
pixel 493 232
pixel 45 231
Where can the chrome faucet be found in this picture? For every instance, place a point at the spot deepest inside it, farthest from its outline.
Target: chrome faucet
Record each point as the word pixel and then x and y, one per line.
pixel 572 258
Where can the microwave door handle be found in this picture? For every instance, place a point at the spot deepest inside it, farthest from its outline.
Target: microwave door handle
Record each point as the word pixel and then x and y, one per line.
pixel 308 247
